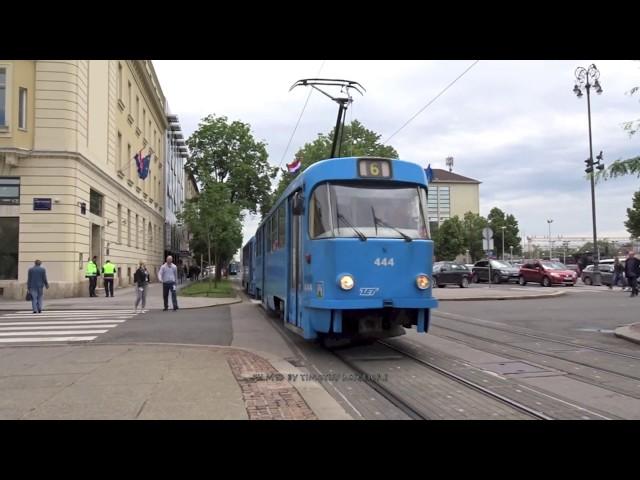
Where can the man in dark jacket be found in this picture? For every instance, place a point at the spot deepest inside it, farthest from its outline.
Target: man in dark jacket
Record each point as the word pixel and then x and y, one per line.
pixel 632 270
pixel 36 281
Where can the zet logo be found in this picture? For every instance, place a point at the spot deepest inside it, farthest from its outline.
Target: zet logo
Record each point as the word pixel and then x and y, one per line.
pixel 368 292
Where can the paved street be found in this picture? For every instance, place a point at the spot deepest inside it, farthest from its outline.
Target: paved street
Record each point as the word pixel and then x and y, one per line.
pixel 235 361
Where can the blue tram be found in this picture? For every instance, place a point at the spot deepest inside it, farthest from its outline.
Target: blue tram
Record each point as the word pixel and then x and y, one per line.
pixel 248 261
pixel 345 251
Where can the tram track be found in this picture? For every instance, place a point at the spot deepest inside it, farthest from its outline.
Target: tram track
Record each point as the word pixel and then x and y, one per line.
pixel 415 411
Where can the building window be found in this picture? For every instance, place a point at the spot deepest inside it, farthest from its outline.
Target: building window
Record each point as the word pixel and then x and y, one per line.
pixel 119 81
pixel 119 223
pixel 128 227
pixel 3 96
pixel 9 191
pixel 137 244
pixel 137 110
pixel 22 109
pixel 9 234
pixel 144 235
pixel 128 153
pixel 129 104
pixel 119 152
pixel 95 203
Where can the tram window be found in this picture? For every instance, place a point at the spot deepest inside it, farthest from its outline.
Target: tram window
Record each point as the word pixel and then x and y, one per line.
pixel 281 226
pixel 319 218
pixel 274 232
pixel 267 229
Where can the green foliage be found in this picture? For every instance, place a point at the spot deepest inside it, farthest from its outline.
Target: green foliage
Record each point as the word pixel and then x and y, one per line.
pixel 226 152
pixel 215 222
pixel 497 219
pixel 357 141
pixel 472 225
pixel 202 288
pixel 449 240
pixel 607 248
pixel 632 224
pixel 619 168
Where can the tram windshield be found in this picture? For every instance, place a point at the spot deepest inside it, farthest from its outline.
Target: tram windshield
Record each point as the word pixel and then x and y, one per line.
pixel 349 209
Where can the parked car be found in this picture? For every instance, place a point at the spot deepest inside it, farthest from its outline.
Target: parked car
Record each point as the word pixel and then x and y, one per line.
pixel 497 270
pixel 606 274
pixel 450 273
pixel 547 273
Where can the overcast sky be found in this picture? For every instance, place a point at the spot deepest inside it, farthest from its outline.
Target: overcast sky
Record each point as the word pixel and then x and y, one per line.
pixel 516 126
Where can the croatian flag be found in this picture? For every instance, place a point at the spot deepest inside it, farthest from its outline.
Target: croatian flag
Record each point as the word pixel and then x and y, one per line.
pixel 139 162
pixel 294 166
pixel 145 167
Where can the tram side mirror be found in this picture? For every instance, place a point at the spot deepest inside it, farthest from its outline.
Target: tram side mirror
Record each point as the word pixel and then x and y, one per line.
pixel 298 204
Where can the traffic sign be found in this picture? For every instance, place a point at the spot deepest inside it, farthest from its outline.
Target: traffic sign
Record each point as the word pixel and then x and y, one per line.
pixel 487 233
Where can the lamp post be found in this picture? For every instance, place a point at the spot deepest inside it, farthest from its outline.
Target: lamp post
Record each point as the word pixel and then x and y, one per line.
pixel 511 253
pixel 550 221
pixel 503 228
pixel 584 77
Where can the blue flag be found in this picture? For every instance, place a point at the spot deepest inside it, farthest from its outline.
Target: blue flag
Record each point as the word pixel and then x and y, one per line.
pixel 429 173
pixel 144 173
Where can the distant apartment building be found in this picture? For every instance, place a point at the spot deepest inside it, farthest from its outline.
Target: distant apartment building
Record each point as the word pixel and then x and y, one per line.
pixel 176 149
pixel 451 194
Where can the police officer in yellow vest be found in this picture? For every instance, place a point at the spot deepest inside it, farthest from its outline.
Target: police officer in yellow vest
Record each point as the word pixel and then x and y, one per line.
pixel 108 269
pixel 92 273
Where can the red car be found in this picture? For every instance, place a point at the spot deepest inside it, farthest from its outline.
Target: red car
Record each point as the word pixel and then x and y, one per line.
pixel 547 273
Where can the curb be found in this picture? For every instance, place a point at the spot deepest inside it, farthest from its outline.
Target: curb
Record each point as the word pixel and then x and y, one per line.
pixel 60 307
pixel 511 297
pixel 627 334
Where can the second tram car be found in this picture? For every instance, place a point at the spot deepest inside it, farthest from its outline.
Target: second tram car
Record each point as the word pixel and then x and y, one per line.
pixel 345 251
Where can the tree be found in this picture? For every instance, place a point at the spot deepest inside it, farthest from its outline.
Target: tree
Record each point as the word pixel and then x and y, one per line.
pixel 607 248
pixel 226 152
pixel 215 221
pixel 633 214
pixel 357 141
pixel 472 225
pixel 629 166
pixel 449 240
pixel 497 219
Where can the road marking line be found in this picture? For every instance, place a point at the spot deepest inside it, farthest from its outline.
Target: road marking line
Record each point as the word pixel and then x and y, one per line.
pixel 55 322
pixel 58 327
pixel 61 332
pixel 47 339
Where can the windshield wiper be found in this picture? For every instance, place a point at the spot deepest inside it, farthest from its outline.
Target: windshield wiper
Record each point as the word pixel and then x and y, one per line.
pixel 358 232
pixel 377 221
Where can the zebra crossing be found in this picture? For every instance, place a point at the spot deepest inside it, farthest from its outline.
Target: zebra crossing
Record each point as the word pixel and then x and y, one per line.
pixel 55 326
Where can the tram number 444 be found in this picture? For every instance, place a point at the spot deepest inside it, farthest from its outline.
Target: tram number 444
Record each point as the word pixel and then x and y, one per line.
pixel 384 262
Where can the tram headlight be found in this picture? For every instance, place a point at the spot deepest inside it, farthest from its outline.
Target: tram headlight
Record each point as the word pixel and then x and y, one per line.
pixel 422 282
pixel 346 282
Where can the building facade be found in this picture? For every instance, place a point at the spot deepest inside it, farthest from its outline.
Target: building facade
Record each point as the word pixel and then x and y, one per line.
pixel 451 194
pixel 69 182
pixel 176 154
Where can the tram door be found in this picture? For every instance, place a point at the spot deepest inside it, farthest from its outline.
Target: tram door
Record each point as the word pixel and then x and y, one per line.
pixel 295 264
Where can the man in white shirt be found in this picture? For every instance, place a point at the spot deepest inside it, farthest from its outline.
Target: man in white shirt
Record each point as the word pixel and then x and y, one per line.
pixel 168 275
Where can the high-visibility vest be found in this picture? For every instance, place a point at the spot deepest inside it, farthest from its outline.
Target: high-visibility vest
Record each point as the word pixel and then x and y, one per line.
pixel 91 270
pixel 108 269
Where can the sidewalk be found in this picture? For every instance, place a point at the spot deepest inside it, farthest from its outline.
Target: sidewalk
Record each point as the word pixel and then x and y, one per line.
pixel 629 332
pixel 149 381
pixel 454 293
pixel 123 298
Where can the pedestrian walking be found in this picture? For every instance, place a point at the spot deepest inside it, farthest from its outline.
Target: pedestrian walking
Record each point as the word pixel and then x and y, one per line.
pixel 141 278
pixel 168 275
pixel 92 273
pixel 36 281
pixel 618 274
pixel 632 270
pixel 108 271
